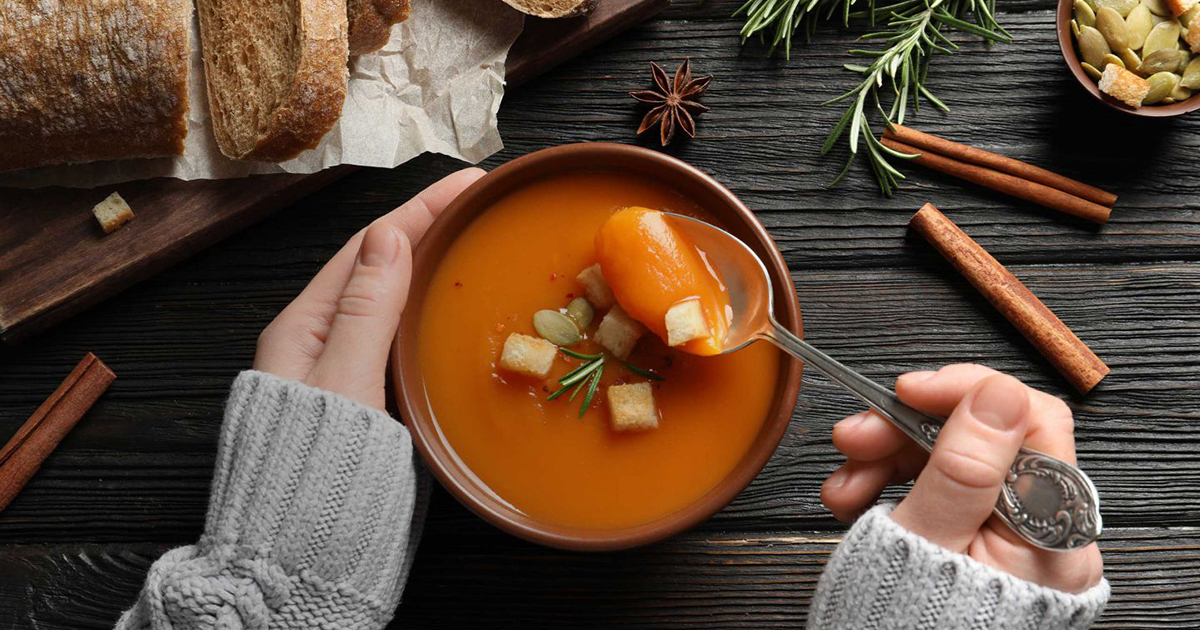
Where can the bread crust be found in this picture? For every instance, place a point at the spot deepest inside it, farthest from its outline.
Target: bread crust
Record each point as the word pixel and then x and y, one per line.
pixel 371 23
pixel 314 103
pixel 554 9
pixel 92 80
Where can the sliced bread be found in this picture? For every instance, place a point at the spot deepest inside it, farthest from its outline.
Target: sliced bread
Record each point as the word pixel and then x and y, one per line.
pixel 553 8
pixel 276 73
pixel 371 23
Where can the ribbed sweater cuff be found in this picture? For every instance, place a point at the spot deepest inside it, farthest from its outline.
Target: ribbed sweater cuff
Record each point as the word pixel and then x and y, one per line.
pixel 315 510
pixel 882 576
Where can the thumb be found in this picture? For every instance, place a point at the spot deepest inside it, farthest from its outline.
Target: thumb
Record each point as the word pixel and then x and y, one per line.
pixel 958 488
pixel 354 358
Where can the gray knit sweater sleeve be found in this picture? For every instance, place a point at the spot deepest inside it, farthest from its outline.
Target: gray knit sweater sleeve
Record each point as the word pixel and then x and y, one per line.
pixel 884 577
pixel 315 512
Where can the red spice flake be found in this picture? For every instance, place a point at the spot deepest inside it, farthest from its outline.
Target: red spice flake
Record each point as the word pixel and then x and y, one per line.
pixel 553 277
pixel 570 296
pixel 457 285
pixel 499 328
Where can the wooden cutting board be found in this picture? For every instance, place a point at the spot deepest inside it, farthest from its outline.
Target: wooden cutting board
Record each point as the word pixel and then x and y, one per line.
pixel 55 261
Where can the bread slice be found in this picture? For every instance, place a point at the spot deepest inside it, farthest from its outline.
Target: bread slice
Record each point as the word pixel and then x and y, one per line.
pixel 553 8
pixel 371 23
pixel 276 73
pixel 92 80
pixel 1124 85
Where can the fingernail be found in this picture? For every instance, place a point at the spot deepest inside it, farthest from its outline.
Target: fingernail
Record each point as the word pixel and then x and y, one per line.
pixel 998 404
pixel 916 377
pixel 838 478
pixel 850 422
pixel 379 246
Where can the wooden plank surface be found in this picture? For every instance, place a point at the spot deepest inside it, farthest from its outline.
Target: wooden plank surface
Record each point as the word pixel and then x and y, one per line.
pixel 55 261
pixel 132 479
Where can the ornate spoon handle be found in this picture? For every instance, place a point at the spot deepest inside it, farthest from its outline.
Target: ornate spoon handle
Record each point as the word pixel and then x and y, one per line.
pixel 1046 501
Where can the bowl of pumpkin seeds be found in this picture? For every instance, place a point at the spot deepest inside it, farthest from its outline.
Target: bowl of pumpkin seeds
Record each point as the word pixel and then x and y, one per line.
pixel 1138 56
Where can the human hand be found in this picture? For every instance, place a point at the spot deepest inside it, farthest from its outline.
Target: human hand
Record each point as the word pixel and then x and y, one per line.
pixel 989 416
pixel 337 333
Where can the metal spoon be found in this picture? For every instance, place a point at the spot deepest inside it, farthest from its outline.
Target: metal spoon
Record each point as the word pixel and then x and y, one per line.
pixel 1046 501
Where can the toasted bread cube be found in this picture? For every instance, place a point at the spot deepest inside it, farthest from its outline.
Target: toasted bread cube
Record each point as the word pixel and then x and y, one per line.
pixel 1193 34
pixel 1124 85
pixel 632 407
pixel 598 291
pixel 1179 7
pixel 619 333
pixel 112 213
pixel 528 355
pixel 685 321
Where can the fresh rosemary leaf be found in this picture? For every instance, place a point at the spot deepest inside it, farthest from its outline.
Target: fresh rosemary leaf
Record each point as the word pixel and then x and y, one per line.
pixel 582 373
pixel 591 392
pixel 580 355
pixel 643 372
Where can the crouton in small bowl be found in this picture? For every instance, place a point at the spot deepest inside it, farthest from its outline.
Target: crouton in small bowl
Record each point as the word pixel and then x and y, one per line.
pixel 1118 86
pixel 543 406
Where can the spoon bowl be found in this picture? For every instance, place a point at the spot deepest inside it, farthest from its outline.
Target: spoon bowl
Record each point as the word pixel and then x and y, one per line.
pixel 1049 503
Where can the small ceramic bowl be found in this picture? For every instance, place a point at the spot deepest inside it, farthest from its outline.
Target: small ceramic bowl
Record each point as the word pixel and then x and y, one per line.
pixel 1066 42
pixel 409 386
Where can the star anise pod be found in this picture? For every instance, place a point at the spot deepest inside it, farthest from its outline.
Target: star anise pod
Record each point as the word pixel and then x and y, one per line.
pixel 674 101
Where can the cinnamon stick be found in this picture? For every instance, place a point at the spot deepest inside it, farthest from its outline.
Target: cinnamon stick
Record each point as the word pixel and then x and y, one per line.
pixel 24 453
pixel 1018 304
pixel 1040 194
pixel 997 162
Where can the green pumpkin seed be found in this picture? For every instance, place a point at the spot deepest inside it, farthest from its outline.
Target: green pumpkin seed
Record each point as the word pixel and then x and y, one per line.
pixel 1157 7
pixel 1090 70
pixel 581 312
pixel 1159 19
pixel 556 328
pixel 1120 6
pixel 1092 45
pixel 1161 86
pixel 1191 75
pixel 1180 93
pixel 1075 29
pixel 1130 58
pixel 1138 23
pixel 1161 61
pixel 1167 101
pixel 1164 35
pixel 1112 26
pixel 1084 14
pixel 1111 59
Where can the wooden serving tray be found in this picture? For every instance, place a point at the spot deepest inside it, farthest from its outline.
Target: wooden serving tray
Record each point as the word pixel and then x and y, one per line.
pixel 55 261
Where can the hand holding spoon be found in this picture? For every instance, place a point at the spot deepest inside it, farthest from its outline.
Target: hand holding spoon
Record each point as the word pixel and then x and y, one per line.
pixel 1046 501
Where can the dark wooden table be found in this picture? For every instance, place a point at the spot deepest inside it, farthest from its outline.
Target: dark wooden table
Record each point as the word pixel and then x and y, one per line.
pixel 132 479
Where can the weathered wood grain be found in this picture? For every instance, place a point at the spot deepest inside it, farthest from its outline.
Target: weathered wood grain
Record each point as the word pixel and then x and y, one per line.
pixel 715 580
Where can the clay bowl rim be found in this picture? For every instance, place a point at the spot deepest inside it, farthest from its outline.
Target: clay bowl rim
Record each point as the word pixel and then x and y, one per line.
pixel 408 387
pixel 1067 46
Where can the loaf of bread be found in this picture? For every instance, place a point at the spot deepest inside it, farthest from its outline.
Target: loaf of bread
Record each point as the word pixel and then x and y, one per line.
pixel 84 80
pixel 276 73
pixel 553 8
pixel 371 23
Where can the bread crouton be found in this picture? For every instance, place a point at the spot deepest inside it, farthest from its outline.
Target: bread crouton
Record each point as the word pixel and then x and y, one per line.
pixel 528 355
pixel 685 321
pixel 112 213
pixel 598 291
pixel 1124 85
pixel 1179 7
pixel 1193 34
pixel 632 407
pixel 619 333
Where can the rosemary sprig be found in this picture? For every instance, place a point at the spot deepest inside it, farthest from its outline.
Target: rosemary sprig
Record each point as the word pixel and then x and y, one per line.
pixel 587 377
pixel 912 32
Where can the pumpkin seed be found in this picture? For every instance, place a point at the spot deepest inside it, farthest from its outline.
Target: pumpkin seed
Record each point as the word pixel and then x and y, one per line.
pixel 1075 29
pixel 1167 101
pixel 557 328
pixel 1181 93
pixel 1111 59
pixel 1138 23
pixel 1159 19
pixel 1092 45
pixel 1157 7
pixel 1090 70
pixel 1131 59
pixel 1161 61
pixel 1120 6
pixel 1084 14
pixel 1164 35
pixel 581 312
pixel 1191 75
pixel 1161 86
pixel 1112 26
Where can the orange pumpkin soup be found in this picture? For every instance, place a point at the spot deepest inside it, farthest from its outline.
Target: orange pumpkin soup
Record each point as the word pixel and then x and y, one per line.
pixel 520 256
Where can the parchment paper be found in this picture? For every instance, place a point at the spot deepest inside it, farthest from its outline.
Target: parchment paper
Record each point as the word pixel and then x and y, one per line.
pixel 436 86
